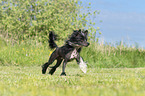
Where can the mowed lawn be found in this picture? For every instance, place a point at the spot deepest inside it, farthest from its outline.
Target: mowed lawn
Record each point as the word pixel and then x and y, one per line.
pixel 28 81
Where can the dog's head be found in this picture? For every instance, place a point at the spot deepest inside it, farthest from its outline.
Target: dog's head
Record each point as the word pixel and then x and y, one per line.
pixel 78 38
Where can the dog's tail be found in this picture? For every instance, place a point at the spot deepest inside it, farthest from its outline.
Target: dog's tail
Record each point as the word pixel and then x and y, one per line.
pixel 52 38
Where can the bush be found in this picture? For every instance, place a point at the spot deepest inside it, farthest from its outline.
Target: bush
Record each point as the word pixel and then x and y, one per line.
pixel 33 19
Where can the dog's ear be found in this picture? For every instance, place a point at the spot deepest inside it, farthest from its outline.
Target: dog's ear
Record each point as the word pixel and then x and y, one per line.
pixel 80 30
pixel 75 31
pixel 86 32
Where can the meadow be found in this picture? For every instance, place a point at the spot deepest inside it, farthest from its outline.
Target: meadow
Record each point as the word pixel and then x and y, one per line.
pixel 28 81
pixel 112 70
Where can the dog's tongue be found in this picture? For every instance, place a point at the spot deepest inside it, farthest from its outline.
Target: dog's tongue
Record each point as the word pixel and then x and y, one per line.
pixel 83 65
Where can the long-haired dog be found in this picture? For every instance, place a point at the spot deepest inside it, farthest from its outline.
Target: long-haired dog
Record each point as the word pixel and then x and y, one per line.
pixel 69 51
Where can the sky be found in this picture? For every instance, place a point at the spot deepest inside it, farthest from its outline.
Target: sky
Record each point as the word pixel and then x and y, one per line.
pixel 122 20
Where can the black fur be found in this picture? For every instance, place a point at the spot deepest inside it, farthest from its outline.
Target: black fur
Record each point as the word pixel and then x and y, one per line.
pixel 76 41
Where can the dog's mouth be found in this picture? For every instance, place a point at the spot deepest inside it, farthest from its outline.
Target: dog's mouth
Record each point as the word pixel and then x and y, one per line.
pixel 78 45
pixel 73 44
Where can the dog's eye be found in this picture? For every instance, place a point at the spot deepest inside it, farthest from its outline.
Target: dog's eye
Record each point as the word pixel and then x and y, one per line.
pixel 82 37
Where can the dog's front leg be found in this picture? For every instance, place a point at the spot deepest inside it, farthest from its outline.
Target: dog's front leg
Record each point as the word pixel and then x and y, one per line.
pixel 78 59
pixel 82 64
pixel 63 68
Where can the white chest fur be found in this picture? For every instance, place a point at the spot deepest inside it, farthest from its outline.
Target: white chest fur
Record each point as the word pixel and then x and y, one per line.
pixel 73 54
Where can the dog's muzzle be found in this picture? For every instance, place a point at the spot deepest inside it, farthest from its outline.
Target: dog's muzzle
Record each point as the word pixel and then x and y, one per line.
pixel 87 44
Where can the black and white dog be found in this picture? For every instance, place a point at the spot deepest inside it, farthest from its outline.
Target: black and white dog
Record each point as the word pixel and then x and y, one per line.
pixel 69 51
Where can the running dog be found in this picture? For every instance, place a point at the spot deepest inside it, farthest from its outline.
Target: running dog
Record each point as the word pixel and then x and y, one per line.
pixel 69 51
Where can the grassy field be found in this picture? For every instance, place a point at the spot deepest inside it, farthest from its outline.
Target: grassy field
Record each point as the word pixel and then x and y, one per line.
pixel 112 71
pixel 28 81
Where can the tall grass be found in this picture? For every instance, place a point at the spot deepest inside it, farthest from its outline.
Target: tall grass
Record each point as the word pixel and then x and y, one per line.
pixel 24 54
pixel 113 57
pixel 32 53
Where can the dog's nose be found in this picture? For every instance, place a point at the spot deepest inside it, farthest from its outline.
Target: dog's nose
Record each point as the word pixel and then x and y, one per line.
pixel 88 44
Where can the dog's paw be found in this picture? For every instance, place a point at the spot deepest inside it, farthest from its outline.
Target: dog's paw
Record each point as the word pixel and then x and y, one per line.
pixel 43 69
pixel 52 71
pixel 63 74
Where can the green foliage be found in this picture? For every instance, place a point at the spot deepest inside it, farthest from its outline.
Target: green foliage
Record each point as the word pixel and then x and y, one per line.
pixel 28 81
pixel 33 19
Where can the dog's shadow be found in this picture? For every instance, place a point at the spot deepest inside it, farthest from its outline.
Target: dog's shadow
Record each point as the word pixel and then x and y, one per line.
pixel 75 75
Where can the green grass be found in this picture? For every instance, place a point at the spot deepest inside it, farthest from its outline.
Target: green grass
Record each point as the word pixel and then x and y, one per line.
pixel 28 81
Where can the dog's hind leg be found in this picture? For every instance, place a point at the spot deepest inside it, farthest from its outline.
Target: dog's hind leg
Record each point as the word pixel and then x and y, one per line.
pixel 51 60
pixel 63 68
pixel 59 60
